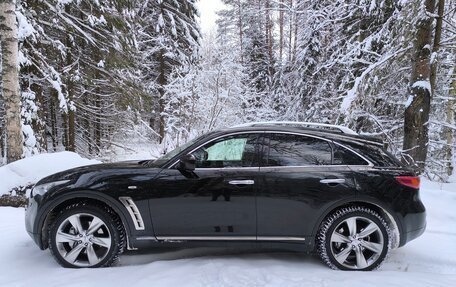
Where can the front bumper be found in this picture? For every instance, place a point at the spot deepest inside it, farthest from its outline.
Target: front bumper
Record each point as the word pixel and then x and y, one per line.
pixel 30 219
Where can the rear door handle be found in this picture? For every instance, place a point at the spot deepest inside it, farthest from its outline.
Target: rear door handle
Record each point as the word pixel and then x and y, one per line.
pixel 241 182
pixel 332 180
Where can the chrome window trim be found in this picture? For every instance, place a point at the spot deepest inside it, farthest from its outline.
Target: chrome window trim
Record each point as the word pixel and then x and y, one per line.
pixel 306 166
pixel 369 163
pixel 254 168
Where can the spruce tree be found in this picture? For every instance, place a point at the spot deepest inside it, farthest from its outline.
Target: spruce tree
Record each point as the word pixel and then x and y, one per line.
pixel 168 38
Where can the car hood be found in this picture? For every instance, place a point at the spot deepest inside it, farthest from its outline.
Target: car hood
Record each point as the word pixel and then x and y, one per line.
pixel 99 170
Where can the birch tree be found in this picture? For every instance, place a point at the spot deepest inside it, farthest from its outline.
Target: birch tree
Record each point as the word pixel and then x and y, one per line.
pixel 10 79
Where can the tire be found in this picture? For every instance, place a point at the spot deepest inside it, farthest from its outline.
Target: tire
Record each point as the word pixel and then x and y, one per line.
pixel 354 238
pixel 86 236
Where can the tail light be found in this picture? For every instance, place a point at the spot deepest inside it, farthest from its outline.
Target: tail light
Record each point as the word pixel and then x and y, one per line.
pixel 410 181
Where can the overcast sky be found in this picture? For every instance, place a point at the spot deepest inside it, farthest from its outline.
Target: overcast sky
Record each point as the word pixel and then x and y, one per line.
pixel 207 10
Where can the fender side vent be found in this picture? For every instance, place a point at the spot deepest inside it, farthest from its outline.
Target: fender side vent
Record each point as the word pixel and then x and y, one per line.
pixel 134 212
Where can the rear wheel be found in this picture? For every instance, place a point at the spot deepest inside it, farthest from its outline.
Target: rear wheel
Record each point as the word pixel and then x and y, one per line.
pixel 354 238
pixel 86 236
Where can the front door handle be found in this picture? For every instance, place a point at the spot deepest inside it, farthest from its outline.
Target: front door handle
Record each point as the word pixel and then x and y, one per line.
pixel 241 182
pixel 332 180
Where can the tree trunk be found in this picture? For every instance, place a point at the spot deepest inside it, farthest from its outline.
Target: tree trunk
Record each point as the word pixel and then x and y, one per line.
pixel 98 124
pixel 71 144
pixel 10 78
pixel 450 120
pixel 281 7
pixel 38 125
pixel 295 32
pixel 161 101
pixel 241 40
pixel 87 132
pixel 269 28
pixel 2 129
pixel 437 38
pixel 65 130
pixel 450 105
pixel 417 113
pixel 53 120
pixel 71 133
pixel 2 119
pixel 290 31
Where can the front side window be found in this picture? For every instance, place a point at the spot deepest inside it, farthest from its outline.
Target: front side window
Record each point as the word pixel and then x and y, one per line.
pixel 168 156
pixel 296 150
pixel 230 151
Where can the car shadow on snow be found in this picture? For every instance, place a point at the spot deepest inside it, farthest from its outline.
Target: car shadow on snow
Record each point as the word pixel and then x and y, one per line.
pixel 150 255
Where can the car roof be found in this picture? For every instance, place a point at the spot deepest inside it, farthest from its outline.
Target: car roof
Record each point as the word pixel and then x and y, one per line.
pixel 310 125
pixel 330 132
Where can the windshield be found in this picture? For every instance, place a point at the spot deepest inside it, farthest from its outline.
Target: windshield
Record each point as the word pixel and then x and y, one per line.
pixel 166 157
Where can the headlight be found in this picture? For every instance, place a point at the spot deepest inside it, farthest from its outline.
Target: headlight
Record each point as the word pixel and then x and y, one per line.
pixel 43 188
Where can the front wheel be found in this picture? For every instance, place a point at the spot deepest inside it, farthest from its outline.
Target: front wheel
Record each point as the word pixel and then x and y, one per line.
pixel 354 238
pixel 86 236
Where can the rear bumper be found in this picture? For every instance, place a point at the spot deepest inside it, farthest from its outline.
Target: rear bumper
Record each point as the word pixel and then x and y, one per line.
pixel 413 226
pixel 409 236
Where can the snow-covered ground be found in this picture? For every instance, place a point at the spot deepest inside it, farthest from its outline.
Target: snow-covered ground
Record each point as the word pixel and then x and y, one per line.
pixel 427 261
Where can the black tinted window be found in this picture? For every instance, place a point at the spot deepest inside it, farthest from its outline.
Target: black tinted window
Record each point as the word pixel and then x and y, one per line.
pixel 376 155
pixel 343 156
pixel 230 151
pixel 295 150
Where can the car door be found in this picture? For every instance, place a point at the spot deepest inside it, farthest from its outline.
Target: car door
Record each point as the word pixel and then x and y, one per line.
pixel 217 200
pixel 298 182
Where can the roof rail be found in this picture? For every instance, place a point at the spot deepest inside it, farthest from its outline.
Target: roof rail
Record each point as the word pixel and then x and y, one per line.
pixel 342 129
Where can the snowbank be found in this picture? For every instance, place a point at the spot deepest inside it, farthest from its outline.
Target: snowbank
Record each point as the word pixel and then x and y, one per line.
pixel 29 170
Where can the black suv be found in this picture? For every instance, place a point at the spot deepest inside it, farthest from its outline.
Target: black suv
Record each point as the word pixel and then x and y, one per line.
pixel 296 186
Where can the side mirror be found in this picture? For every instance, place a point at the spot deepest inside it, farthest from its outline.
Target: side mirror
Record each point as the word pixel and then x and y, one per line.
pixel 187 163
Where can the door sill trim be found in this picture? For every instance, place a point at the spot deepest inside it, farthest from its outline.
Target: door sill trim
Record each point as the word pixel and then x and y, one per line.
pixel 230 238
pixel 203 238
pixel 280 238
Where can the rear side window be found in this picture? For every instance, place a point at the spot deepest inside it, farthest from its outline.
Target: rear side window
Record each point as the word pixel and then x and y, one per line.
pixel 343 156
pixel 376 155
pixel 296 150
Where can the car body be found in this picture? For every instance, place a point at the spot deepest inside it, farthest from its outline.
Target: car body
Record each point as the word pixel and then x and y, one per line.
pixel 266 184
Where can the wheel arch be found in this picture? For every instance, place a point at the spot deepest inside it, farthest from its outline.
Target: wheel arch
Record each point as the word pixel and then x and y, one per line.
pixel 57 204
pixel 381 209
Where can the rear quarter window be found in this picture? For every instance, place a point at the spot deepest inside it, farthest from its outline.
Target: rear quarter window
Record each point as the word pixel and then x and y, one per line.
pixel 377 155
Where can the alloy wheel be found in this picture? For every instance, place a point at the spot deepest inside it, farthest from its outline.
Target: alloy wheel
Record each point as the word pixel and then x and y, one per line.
pixel 356 242
pixel 83 240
